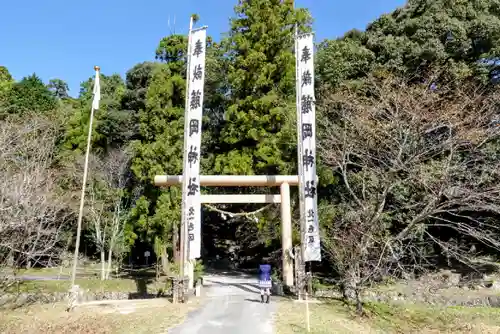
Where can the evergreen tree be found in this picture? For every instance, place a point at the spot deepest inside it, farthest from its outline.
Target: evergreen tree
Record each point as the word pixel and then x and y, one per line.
pixel 104 132
pixel 259 127
pixel 6 82
pixel 137 83
pixel 30 95
pixel 59 88
pixel 452 40
pixel 160 148
pixel 161 129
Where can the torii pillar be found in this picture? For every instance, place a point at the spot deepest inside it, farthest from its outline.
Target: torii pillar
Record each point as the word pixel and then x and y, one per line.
pixel 282 181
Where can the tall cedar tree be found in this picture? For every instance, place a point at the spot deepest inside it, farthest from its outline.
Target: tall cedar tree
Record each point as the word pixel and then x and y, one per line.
pixel 259 129
pixel 159 149
pixel 157 91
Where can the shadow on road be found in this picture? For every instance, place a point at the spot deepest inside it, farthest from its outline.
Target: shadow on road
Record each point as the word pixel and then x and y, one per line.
pixel 230 272
pixel 253 300
pixel 242 286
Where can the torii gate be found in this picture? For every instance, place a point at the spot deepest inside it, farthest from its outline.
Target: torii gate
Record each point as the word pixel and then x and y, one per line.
pixel 306 154
pixel 282 181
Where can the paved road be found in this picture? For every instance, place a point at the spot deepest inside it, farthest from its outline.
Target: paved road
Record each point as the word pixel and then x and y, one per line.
pixel 233 307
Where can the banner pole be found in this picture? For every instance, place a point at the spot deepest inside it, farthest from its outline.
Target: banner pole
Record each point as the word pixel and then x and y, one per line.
pixel 84 185
pixel 300 168
pixel 183 244
pixel 308 320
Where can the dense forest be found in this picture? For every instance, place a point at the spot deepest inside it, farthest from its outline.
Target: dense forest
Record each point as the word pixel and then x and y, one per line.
pixel 408 114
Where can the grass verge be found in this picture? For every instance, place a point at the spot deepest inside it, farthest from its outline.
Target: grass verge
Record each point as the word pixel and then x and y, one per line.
pixel 93 285
pixel 88 278
pixel 334 317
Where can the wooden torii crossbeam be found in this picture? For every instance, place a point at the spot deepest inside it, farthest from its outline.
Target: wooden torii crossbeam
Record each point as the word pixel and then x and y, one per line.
pixel 282 181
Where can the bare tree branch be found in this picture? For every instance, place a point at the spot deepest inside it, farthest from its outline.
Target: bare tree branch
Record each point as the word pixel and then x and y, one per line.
pixel 415 164
pixel 33 213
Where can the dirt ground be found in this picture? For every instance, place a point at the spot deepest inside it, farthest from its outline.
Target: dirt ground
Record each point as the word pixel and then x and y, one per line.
pixel 146 316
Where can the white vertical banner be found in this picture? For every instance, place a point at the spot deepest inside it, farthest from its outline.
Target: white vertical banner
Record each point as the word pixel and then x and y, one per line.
pixel 307 128
pixel 192 141
pixel 97 90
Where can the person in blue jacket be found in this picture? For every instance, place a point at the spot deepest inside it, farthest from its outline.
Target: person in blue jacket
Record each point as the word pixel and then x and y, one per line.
pixel 265 283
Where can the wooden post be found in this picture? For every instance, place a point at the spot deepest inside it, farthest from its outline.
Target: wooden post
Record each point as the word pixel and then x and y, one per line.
pixel 286 234
pixel 190 273
pixel 300 279
pixel 175 290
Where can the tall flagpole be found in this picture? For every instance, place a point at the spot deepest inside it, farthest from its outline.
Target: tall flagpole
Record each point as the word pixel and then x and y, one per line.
pixel 300 172
pixel 301 285
pixel 183 243
pixel 95 105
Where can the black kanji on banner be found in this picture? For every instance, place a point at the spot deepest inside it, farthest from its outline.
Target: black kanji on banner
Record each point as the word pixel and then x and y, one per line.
pixel 192 155
pixel 194 124
pixel 198 48
pixel 309 189
pixel 197 73
pixel 310 215
pixel 306 104
pixel 307 130
pixel 195 99
pixel 193 187
pixel 306 54
pixel 306 78
pixel 308 159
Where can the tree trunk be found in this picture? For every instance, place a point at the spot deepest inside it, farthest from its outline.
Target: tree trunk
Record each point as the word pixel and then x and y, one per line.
pixel 351 289
pixel 103 265
pixel 164 261
pixel 110 263
pixel 350 285
pixel 28 264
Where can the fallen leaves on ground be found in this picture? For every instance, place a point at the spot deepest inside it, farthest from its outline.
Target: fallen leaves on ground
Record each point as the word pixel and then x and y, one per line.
pixel 154 316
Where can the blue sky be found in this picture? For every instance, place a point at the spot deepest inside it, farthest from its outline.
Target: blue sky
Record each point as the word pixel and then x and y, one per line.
pixel 65 39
